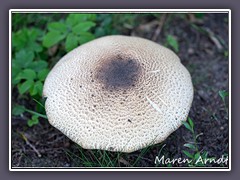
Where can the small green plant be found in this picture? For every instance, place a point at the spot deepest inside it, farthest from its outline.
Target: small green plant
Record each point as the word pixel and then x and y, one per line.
pixel 26 47
pixel 28 67
pixel 196 156
pixel 172 42
pixel 223 94
pixel 29 54
pixel 74 30
pixel 105 25
pixel 193 152
pixel 226 54
pixel 19 110
pixel 31 81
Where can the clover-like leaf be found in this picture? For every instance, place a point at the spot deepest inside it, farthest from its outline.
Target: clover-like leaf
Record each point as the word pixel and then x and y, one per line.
pixel 23 58
pixel 57 26
pixel 76 18
pixel 38 65
pixel 85 37
pixel 28 74
pixel 71 42
pixel 36 89
pixel 33 121
pixel 52 38
pixel 43 74
pixel 83 27
pixel 17 110
pixel 24 87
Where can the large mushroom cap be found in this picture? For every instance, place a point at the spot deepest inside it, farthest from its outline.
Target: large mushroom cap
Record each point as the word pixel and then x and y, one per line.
pixel 118 93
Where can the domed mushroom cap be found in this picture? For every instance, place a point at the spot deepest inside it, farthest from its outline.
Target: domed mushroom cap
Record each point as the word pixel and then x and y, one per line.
pixel 118 93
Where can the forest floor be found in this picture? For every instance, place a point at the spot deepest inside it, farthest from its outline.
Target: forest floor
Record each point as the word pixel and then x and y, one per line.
pixel 203 50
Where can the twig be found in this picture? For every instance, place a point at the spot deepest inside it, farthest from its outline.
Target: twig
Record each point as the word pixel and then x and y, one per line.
pixel 29 144
pixel 123 161
pixel 193 19
pixel 159 28
pixel 214 39
pixel 19 159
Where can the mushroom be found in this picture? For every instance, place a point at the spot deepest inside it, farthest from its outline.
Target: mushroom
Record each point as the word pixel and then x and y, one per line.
pixel 118 93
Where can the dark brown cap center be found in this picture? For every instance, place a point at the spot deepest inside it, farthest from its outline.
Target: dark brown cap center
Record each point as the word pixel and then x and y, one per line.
pixel 118 73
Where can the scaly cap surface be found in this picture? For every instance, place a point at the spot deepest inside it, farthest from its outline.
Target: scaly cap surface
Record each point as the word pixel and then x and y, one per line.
pixel 118 93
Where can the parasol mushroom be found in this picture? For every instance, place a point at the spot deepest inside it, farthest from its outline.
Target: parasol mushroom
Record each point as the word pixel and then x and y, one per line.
pixel 118 93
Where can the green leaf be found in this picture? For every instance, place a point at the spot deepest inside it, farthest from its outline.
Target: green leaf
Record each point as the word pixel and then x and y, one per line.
pixel 43 74
pixel 190 122
pixel 226 54
pixel 187 154
pixel 99 31
pixel 199 15
pixel 91 17
pixel 57 26
pixel 15 69
pixel 190 146
pixel 33 90
pixel 105 28
pixel 85 37
pixel 36 89
pixel 39 87
pixel 187 126
pixel 38 65
pixel 52 38
pixel 27 39
pixel 19 39
pixel 83 27
pixel 197 155
pixel 17 110
pixel 34 33
pixel 223 94
pixel 173 43
pixel 74 19
pixel 33 121
pixel 24 58
pixel 205 154
pixel 33 46
pixel 71 42
pixel 24 87
pixel 28 74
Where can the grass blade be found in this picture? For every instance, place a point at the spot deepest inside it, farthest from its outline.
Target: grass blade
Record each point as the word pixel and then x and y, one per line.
pixel 37 114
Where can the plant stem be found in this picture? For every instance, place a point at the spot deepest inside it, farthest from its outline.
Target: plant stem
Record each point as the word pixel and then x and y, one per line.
pixel 37 114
